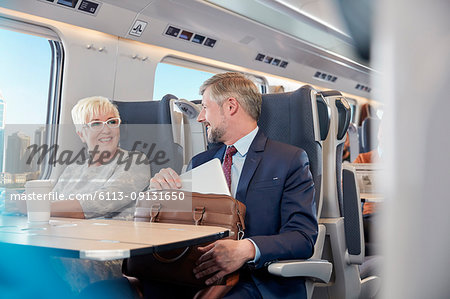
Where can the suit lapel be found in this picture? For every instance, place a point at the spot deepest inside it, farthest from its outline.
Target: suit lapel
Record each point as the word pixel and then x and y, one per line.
pixel 204 157
pixel 252 161
pixel 220 153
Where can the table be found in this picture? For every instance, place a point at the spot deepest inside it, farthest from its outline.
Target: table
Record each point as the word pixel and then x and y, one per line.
pixel 103 240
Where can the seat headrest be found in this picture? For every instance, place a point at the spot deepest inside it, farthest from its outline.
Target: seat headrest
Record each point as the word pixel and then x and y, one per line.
pixel 344 113
pixel 324 114
pixel 343 109
pixel 188 108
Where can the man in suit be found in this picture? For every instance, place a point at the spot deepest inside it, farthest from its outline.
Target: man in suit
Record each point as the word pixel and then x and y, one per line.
pixel 271 178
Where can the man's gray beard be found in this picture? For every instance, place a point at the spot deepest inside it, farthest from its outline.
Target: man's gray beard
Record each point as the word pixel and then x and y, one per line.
pixel 215 135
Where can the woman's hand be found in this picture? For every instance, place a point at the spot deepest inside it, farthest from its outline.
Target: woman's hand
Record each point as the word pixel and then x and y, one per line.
pixel 166 178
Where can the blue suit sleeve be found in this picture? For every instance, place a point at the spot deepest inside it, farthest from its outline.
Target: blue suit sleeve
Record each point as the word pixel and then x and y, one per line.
pixel 298 227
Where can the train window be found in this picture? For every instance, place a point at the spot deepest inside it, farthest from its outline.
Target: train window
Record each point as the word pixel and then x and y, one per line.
pixel 177 80
pixel 183 78
pixel 29 84
pixel 260 82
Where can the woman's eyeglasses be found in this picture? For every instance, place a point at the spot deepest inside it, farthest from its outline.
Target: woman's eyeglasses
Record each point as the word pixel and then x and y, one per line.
pixel 98 125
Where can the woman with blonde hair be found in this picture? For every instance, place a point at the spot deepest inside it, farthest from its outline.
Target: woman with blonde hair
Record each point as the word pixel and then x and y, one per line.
pixel 106 172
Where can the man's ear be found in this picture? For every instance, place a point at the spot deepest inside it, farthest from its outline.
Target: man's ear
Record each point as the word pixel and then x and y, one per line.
pixel 232 106
pixel 81 135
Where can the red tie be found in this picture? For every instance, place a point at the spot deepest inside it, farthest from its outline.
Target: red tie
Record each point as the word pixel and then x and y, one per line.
pixel 227 162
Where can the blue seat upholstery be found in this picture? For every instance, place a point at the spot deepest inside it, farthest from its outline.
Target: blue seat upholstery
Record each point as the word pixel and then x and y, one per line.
pixel 301 119
pixel 342 213
pixel 146 127
pixel 289 118
pixel 368 134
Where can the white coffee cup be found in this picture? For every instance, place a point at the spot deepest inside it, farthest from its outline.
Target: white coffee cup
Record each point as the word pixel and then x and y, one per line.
pixel 38 200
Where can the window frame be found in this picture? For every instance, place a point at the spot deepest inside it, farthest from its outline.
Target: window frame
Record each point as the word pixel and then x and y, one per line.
pixel 55 81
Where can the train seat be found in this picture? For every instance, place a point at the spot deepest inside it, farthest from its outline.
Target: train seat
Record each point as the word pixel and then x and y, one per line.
pixel 148 127
pixel 297 119
pixel 354 235
pixel 341 213
pixel 293 118
pixel 368 134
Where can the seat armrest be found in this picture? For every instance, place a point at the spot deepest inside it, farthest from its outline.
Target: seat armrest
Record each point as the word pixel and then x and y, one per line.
pixel 318 269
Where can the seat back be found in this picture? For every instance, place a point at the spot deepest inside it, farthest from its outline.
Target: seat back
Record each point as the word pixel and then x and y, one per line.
pixel 353 225
pixel 333 147
pixel 296 118
pixel 368 281
pixel 147 127
pixel 368 136
pixel 302 119
pixel 341 213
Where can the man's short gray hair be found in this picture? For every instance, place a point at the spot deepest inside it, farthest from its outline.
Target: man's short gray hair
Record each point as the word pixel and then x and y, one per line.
pixel 238 86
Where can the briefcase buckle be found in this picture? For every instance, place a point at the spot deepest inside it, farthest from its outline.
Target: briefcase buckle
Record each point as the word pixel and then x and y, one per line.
pixel 198 214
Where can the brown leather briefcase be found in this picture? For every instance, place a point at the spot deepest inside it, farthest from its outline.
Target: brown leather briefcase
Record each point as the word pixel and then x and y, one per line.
pixel 176 266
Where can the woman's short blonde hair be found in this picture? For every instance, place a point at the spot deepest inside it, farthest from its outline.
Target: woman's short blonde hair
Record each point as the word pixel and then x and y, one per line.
pixel 86 108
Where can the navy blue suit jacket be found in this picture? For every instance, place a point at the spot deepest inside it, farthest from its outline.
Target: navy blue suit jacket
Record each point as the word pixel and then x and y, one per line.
pixel 278 190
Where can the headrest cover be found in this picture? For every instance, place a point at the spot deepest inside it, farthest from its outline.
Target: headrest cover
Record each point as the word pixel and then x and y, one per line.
pixel 189 109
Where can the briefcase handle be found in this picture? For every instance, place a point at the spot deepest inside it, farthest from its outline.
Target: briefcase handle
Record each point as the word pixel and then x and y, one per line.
pixel 198 214
pixel 170 260
pixel 154 212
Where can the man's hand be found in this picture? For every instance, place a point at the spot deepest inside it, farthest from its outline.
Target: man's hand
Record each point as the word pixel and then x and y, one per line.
pixel 223 257
pixel 166 178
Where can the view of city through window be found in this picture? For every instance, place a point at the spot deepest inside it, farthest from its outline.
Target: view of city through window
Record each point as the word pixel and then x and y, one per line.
pixel 25 62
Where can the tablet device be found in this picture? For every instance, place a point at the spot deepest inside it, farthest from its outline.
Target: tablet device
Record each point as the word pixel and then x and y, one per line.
pixel 206 178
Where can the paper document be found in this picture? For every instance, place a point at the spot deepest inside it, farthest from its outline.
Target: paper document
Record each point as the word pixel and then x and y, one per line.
pixel 206 178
